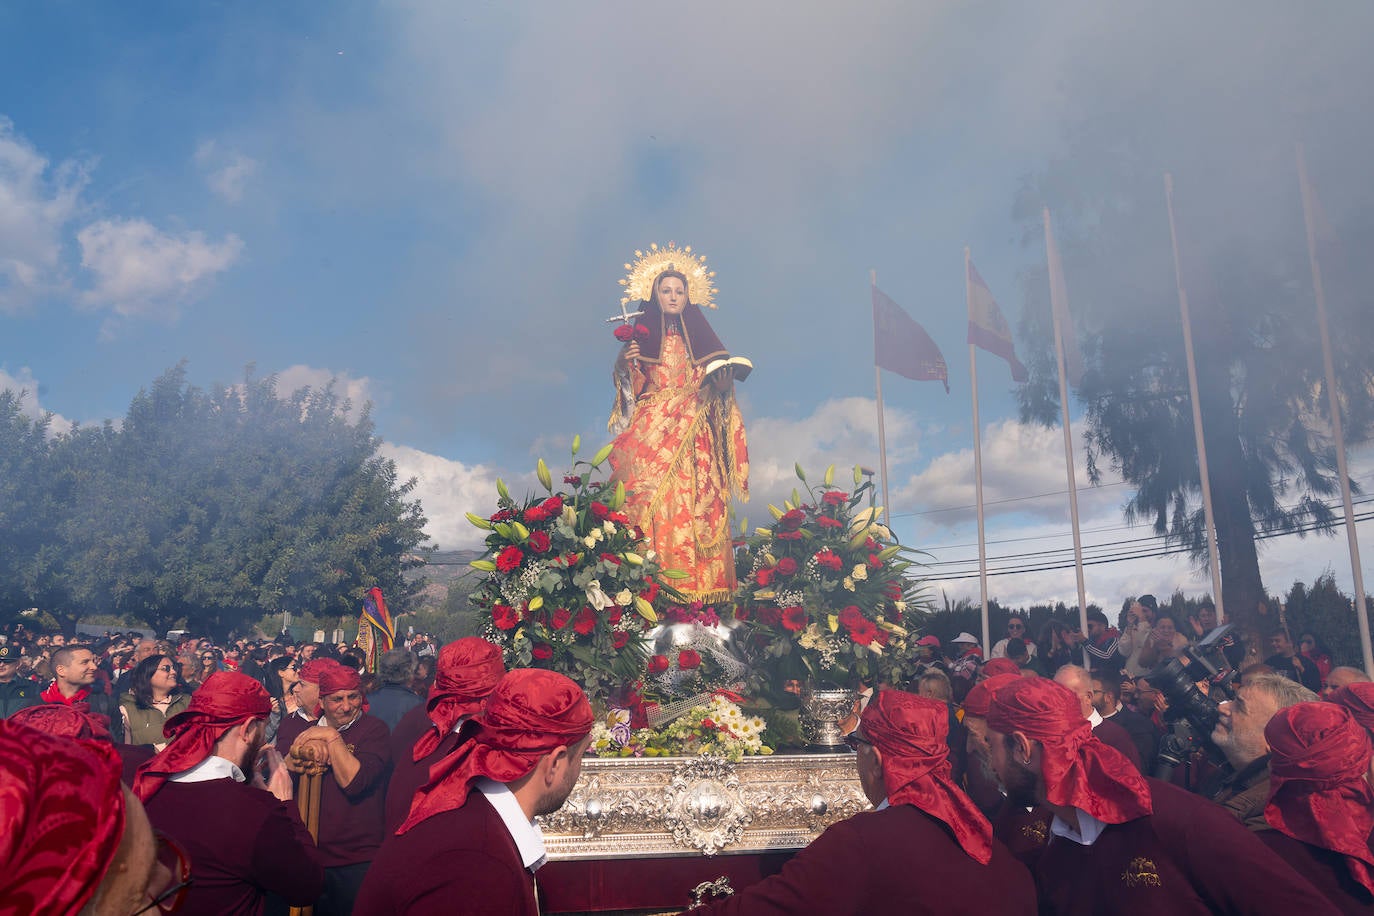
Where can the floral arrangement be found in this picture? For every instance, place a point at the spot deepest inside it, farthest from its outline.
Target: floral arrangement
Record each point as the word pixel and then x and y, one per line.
pixel 823 597
pixel 569 585
pixel 718 727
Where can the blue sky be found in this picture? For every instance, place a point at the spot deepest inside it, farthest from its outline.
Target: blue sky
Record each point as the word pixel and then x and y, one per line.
pixel 432 203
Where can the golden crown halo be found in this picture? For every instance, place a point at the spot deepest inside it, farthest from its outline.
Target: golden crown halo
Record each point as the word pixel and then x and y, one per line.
pixel 639 281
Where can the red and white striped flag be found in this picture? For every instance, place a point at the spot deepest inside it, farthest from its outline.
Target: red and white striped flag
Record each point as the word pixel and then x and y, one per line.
pixel 987 328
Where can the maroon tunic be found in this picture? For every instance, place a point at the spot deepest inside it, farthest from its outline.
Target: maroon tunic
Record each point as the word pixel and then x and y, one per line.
pixel 461 862
pixel 408 775
pixel 1114 736
pixel 870 863
pixel 1189 856
pixel 352 819
pixel 1327 870
pixel 133 756
pixel 1025 833
pixel 243 843
pixel 289 730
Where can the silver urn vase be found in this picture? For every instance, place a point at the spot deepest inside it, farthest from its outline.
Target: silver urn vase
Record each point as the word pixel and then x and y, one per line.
pixel 822 711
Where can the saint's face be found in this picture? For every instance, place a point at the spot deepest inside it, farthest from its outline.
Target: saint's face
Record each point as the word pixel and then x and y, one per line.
pixel 672 295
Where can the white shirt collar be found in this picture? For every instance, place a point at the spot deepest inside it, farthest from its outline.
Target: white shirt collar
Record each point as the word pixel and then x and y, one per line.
pixel 529 839
pixel 211 767
pixel 324 720
pixel 1094 718
pixel 458 726
pixel 1089 828
pixel 883 805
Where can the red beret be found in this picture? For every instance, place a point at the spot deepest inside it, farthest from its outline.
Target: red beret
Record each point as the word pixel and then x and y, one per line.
pixel 62 807
pixel 911 731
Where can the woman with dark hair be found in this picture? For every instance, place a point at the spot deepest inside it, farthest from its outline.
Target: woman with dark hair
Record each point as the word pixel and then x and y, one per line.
pixel 154 696
pixel 1057 646
pixel 282 673
pixel 680 451
pixel 1316 652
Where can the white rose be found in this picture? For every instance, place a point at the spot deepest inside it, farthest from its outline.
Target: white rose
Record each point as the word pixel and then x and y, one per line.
pixel 589 541
pixel 848 583
pixel 860 573
pixel 623 597
pixel 608 527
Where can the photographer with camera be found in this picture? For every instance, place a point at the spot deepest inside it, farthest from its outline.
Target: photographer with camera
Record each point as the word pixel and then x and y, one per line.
pixel 1242 785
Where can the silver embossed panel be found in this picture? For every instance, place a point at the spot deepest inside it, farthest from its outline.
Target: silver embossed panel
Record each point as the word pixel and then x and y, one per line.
pixel 665 806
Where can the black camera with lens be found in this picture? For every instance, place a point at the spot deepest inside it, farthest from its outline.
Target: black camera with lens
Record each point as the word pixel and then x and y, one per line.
pixel 1192 714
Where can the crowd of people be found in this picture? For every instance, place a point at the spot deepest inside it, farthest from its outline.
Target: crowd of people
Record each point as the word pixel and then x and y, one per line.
pixel 1026 787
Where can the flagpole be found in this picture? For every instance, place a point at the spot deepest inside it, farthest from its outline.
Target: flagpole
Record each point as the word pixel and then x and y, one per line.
pixel 878 383
pixel 1213 559
pixel 978 474
pixel 1334 406
pixel 1058 294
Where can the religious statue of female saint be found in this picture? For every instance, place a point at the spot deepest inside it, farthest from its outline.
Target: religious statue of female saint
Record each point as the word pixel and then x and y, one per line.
pixel 680 448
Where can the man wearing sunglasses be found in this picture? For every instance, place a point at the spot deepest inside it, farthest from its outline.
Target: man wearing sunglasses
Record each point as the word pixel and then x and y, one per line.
pixel 863 864
pixel 210 791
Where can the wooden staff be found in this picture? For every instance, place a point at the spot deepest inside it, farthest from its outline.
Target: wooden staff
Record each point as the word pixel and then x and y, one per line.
pixel 307 762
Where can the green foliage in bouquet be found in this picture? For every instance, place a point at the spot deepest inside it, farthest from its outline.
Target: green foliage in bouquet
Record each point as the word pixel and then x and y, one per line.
pixel 569 585
pixel 824 595
pixel 717 726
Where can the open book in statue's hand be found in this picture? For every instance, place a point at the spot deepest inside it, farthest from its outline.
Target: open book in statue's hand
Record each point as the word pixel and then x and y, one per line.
pixel 740 366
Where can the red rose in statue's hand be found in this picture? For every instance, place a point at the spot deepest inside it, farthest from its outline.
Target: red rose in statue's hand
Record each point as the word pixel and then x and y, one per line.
pixel 835 498
pixel 599 511
pixel 561 618
pixel 792 520
pixel 624 333
pixel 641 331
pixel 850 616
pixel 509 559
pixel 658 664
pixel 864 632
pixel 764 576
pixel 619 638
pixel 538 541
pixel 585 622
pixel 787 567
pixel 542 650
pixel 688 659
pixel 503 617
pixel 794 618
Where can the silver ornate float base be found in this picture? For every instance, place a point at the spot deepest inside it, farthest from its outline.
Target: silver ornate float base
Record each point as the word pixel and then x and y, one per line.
pixel 821 714
pixel 673 806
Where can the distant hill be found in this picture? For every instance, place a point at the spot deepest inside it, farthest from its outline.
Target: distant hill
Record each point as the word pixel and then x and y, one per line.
pixel 440 570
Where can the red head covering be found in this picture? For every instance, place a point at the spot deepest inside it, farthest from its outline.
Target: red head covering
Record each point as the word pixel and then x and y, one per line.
pixel 1359 699
pixel 997 666
pixel 980 695
pixel 467 673
pixel 225 700
pixel 1318 758
pixel 530 713
pixel 65 722
pixel 1078 769
pixel 911 731
pixel 310 672
pixel 62 808
pixel 335 677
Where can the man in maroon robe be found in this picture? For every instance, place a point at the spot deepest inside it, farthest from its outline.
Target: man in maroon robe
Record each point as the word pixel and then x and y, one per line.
pixel 863 864
pixel 357 749
pixel 1080 683
pixel 467 672
pixel 1121 843
pixel 1321 804
pixel 470 845
pixel 246 839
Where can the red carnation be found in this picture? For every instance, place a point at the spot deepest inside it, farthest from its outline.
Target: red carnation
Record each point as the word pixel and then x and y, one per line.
pixel 619 638
pixel 620 518
pixel 561 618
pixel 571 559
pixel 615 614
pixel 742 612
pixel 789 535
pixel 573 479
pixel 863 632
pixel 536 514
pixel 826 521
pixel 599 511
pixel 504 515
pixel 688 659
pixel 651 592
pixel 874 561
pixel 611 558
pixel 770 614
pixel 787 566
pixel 585 621
pixel 764 576
pixel 641 331
pixel 850 616
pixel 835 498
pixel 538 541
pixel 503 616
pixel 829 559
pixel 625 333
pixel 792 520
pixel 658 664
pixel 553 505
pixel 542 650
pixel 794 618
pixel 509 559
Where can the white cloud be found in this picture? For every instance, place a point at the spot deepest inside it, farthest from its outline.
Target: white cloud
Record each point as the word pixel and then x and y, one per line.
pixel 227 172
pixel 27 386
pixel 139 270
pixel 358 391
pixel 35 204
